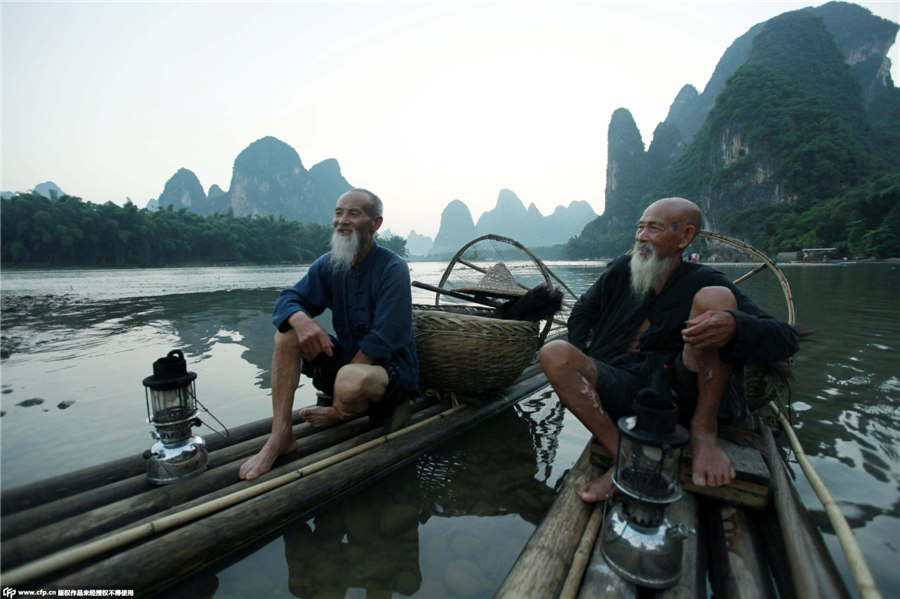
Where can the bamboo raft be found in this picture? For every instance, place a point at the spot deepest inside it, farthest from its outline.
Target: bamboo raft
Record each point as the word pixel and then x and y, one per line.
pixel 753 538
pixel 109 523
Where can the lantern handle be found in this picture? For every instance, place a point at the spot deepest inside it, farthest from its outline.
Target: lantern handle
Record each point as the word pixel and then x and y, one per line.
pixel 224 428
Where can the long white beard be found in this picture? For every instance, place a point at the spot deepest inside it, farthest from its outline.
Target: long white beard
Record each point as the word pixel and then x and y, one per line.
pixel 647 272
pixel 344 250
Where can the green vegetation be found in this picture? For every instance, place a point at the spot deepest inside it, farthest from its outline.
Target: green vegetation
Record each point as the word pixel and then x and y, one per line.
pixel 816 154
pixel 863 222
pixel 396 244
pixel 38 232
pixel 601 239
pixel 68 232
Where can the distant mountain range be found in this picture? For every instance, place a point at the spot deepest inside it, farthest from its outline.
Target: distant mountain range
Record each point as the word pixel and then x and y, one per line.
pixel 269 179
pixel 510 218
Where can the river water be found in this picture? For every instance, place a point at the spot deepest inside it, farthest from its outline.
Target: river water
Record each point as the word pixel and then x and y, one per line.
pixel 77 344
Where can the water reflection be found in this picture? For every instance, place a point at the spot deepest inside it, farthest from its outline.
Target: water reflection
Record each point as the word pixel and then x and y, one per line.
pixel 90 356
pixel 497 470
pixel 196 320
pixel 411 533
pixel 372 544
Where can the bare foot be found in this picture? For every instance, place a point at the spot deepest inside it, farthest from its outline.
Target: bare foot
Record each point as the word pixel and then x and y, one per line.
pixel 711 465
pixel 598 489
pixel 321 417
pixel 263 460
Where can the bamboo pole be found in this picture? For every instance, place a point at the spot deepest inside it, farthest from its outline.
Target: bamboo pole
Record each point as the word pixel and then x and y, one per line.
pixel 858 566
pixel 582 554
pixel 527 383
pixel 457 295
pixel 759 268
pixel 62 559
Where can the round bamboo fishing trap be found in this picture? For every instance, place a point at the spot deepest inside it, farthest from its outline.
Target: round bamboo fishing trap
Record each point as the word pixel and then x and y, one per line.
pixel 461 347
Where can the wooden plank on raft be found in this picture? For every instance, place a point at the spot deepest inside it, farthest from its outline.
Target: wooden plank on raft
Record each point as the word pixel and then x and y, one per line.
pixel 813 573
pixel 692 583
pixel 138 496
pixel 600 580
pixel 738 567
pixel 751 488
pixel 152 500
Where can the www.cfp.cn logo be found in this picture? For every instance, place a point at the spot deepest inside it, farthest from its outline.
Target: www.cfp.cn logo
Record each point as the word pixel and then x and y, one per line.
pixel 9 592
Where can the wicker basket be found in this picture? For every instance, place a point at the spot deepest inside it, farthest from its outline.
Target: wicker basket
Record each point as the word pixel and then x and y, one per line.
pixel 462 350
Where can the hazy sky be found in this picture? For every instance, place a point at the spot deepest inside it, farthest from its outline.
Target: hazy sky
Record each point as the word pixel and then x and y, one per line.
pixel 421 102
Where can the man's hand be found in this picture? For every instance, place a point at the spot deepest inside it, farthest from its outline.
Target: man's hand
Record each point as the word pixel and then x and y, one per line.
pixel 710 330
pixel 312 337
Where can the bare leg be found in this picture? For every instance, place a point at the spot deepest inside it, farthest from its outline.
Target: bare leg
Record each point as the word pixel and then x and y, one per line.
pixel 574 377
pixel 711 466
pixel 285 378
pixel 355 387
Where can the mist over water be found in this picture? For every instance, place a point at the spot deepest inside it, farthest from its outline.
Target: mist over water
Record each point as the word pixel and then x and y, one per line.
pixel 77 345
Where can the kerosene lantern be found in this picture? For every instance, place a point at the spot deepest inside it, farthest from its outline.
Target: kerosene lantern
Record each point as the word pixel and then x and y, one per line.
pixel 172 410
pixel 637 539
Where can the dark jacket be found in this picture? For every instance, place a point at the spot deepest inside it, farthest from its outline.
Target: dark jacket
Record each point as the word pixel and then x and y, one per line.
pixel 606 318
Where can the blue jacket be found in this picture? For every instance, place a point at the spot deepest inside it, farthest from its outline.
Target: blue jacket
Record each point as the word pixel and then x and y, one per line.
pixel 371 309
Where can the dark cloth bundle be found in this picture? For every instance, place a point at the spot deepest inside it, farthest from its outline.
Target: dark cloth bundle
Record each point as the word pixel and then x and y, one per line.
pixel 538 303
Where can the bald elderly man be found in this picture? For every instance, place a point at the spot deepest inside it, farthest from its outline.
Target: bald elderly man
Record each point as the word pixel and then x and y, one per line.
pixel 652 320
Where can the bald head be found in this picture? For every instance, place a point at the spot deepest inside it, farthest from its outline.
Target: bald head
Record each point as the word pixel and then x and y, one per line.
pixel 680 212
pixel 669 225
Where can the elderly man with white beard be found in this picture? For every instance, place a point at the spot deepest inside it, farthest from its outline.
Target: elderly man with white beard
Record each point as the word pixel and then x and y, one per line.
pixel 371 366
pixel 651 320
